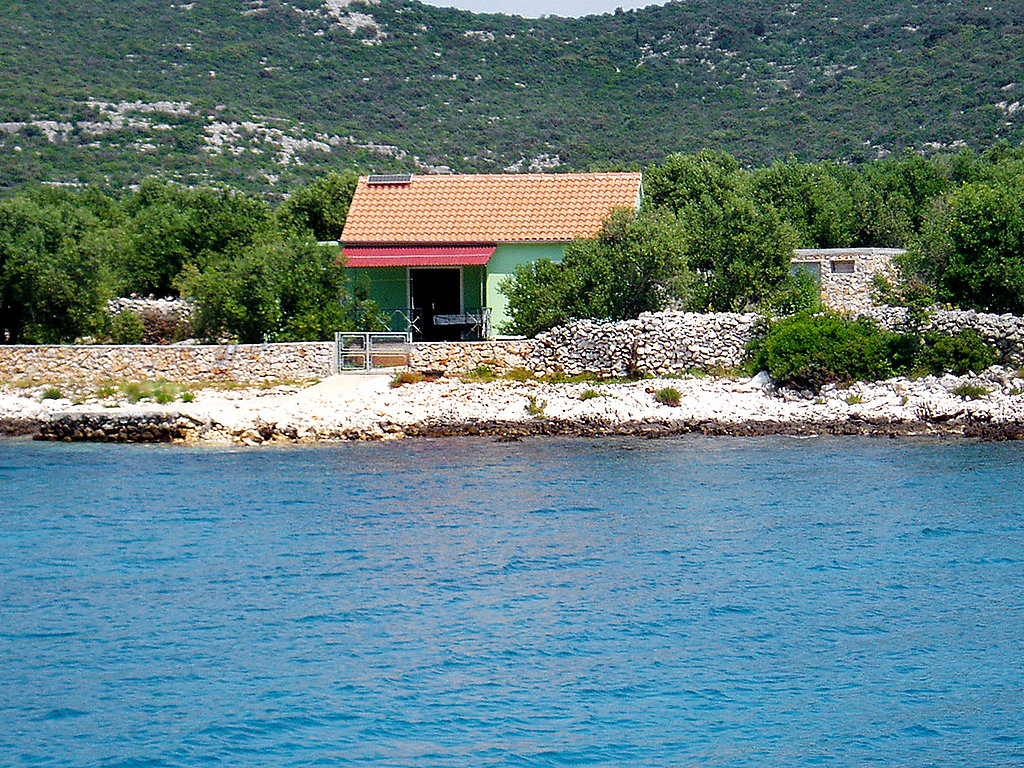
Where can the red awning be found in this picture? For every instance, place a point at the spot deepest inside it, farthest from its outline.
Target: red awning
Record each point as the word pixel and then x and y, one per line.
pixel 418 256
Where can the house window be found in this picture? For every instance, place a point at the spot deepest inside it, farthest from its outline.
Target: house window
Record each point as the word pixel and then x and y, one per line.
pixel 845 267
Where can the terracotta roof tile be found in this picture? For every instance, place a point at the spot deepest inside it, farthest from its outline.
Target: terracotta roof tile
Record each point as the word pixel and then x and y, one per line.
pixel 488 208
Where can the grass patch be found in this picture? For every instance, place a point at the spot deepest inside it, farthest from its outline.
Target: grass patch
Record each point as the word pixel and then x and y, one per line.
pixel 519 374
pixel 668 396
pixel 971 391
pixel 590 394
pixel 406 377
pixel 160 391
pixel 536 407
pixel 854 399
pixel 52 393
pixel 481 374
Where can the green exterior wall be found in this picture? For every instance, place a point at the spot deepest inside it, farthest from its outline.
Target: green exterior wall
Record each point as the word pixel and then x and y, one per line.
pixel 502 265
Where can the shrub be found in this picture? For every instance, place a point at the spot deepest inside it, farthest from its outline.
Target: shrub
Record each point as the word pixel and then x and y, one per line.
pixel 52 393
pixel 961 353
pixel 536 407
pixel 519 374
pixel 668 396
pixel 127 328
pixel 161 391
pixel 406 377
pixel 482 373
pixel 808 351
pixel 590 394
pixel 971 391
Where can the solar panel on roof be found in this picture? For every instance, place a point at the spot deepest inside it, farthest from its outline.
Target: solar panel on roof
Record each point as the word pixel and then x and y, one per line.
pixel 389 178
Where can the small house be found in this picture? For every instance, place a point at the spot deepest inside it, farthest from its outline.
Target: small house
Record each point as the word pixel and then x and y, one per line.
pixel 433 250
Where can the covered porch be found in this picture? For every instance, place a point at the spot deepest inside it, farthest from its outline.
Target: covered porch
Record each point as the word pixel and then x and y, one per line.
pixel 434 293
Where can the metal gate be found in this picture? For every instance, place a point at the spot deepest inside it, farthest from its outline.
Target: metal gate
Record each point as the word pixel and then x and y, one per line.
pixel 364 351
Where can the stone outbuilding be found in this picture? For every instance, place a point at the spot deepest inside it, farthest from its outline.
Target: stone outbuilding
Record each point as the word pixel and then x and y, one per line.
pixel 846 275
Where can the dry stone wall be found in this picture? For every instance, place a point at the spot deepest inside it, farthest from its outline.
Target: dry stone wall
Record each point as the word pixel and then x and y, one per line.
pixel 453 357
pixel 656 342
pixel 1004 332
pixel 244 363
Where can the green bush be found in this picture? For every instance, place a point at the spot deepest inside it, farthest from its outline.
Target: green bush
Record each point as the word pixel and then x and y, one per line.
pixel 961 353
pixel 519 374
pixel 808 351
pixel 52 393
pixel 668 396
pixel 971 391
pixel 127 328
pixel 590 394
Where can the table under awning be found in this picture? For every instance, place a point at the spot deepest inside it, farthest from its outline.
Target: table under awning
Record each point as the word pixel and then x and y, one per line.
pixel 418 256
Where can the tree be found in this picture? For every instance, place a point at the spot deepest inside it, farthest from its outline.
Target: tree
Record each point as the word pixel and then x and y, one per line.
pixel 285 289
pixel 632 265
pixel 169 227
pixel 972 248
pixel 52 286
pixel 320 207
pixel 738 255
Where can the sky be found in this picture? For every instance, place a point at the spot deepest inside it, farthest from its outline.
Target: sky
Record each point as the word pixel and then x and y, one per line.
pixel 535 8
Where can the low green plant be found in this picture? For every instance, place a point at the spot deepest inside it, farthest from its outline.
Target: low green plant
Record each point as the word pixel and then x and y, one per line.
pixel 106 390
pixel 560 377
pixel 52 393
pixel 188 397
pixel 482 373
pixel 970 391
pixel 536 407
pixel 406 377
pixel 668 396
pixel 590 394
pixel 519 374
pixel 161 391
pixel 854 399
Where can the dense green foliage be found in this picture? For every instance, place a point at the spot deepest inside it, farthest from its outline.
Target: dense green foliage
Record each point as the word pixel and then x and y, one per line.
pixel 630 267
pixel 253 274
pixel 807 351
pixel 52 269
pixel 273 93
pixel 716 236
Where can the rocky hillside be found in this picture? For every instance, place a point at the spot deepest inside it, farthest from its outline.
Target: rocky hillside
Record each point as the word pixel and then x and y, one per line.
pixel 262 93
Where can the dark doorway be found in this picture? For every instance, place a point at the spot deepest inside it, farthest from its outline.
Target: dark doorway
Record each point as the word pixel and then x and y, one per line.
pixel 436 292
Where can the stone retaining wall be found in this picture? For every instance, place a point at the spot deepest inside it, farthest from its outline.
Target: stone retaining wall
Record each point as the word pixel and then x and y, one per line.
pixel 244 363
pixel 452 357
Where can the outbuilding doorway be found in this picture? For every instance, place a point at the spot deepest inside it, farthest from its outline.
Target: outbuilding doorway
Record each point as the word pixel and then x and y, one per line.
pixel 435 292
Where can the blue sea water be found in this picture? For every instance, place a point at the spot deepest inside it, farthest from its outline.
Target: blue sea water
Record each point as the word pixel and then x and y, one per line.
pixel 692 602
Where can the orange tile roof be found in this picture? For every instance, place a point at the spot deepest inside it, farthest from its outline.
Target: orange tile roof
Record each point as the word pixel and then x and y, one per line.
pixel 487 208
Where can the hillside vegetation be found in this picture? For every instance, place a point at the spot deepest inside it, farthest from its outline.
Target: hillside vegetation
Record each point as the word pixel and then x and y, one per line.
pixel 262 94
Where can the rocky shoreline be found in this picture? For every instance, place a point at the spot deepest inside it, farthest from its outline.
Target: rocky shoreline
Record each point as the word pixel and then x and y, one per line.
pixel 989 406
